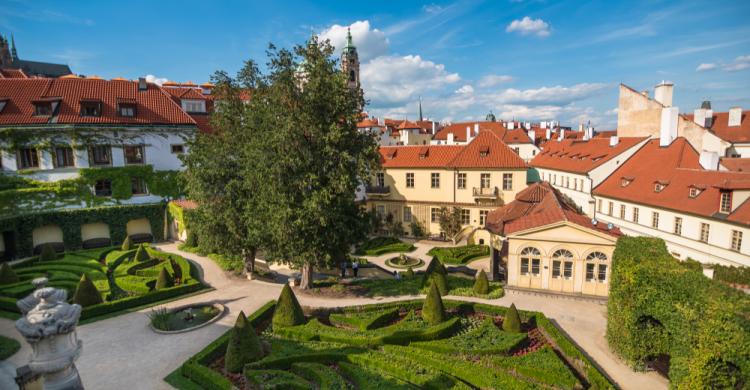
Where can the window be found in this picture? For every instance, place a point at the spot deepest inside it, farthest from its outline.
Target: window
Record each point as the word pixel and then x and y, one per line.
pixel 461 181
pixel 483 217
pixel 694 192
pixel 655 220
pixel 178 149
pixel 507 181
pixel 566 258
pixel 407 214
pixel 524 266
pixel 535 267
pixel 517 150
pixel 133 154
pixel 137 185
pixel 726 202
pixel 575 184
pixel 194 105
pixel 705 230
pixel 410 180
pixel 28 158
pixel 465 216
pixel 659 187
pixel 43 109
pixel 103 187
pixel 611 208
pixel 435 215
pixel 736 240
pixel 99 155
pixel 64 157
pixel 91 108
pixel 126 110
pixel 530 255
pixel 485 180
pixel 555 269
pixel 590 267
pixel 602 276
pixel 567 181
pixel 622 211
pixel 380 179
pixel 678 226
pixel 635 214
pixel 568 270
pixel 435 180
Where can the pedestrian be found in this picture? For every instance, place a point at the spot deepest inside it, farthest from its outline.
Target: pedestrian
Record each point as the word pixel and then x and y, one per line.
pixel 343 269
pixel 396 275
pixel 355 267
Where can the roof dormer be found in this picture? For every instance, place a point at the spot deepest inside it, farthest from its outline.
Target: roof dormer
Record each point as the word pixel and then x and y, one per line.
pixel 626 180
pixel 194 106
pixel 660 185
pixel 694 190
pixel 484 151
pixel 3 103
pixel 423 152
pixel 91 107
pixel 45 106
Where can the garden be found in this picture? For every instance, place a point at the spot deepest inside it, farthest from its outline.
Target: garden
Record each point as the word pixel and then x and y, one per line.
pixel 105 281
pixel 382 245
pixel 432 344
pixel 461 254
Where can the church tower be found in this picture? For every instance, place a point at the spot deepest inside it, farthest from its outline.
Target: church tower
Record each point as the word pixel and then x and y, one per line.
pixel 350 61
pixel 5 56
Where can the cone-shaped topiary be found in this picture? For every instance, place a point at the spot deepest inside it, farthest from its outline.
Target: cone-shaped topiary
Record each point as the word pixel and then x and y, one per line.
pixel 288 312
pixel 7 275
pixel 48 253
pixel 409 273
pixel 126 245
pixel 164 280
pixel 481 285
pixel 176 269
pixel 432 310
pixel 141 254
pixel 86 293
pixel 244 346
pixel 511 321
pixel 436 274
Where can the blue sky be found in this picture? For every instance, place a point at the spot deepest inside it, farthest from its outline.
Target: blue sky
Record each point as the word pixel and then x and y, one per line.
pixel 528 60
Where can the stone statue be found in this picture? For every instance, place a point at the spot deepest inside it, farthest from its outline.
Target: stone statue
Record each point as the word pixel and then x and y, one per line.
pixel 49 325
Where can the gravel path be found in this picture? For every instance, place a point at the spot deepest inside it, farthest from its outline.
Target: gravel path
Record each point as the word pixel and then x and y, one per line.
pixel 123 353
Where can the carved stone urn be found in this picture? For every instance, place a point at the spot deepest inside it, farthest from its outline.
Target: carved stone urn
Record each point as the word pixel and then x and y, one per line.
pixel 49 325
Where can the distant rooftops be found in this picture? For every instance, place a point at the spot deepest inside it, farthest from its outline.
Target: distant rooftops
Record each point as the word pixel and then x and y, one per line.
pixel 578 156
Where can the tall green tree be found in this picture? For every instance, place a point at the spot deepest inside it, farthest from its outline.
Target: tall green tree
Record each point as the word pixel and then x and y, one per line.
pixel 450 222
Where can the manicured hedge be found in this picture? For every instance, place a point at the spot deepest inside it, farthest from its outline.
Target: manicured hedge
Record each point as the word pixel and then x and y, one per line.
pixel 382 245
pixel 660 306
pixel 365 322
pixel 485 339
pixel 8 347
pixel 459 254
pixel 136 301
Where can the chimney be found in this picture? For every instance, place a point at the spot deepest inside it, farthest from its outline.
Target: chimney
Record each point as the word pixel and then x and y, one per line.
pixel 527 125
pixel 511 125
pixel 476 129
pixel 532 135
pixel 735 116
pixel 663 93
pixel 468 134
pixel 580 127
pixel 668 130
pixel 562 135
pixel 433 127
pixel 709 160
pixel 588 134
pixel 543 124
pixel 644 92
pixel 614 140
pixel 548 134
pixel 142 85
pixel 450 139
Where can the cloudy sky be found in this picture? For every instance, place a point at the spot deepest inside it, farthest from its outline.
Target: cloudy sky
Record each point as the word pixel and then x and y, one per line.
pixel 528 60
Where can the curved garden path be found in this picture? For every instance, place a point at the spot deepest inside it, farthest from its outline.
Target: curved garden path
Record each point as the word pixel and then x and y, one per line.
pixel 123 353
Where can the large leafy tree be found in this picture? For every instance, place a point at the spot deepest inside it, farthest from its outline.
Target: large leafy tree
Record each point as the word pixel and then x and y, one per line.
pixel 450 221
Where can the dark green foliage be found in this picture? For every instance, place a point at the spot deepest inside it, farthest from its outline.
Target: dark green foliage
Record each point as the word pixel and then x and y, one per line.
pixel 485 339
pixel 7 275
pixel 482 285
pixel 244 345
pixel 48 253
pixel 450 222
pixel 436 274
pixel 730 274
pixel 126 244
pixel 164 280
pixel 459 254
pixel 433 311
pixel 417 230
pixel 381 245
pixel 141 254
pixel 192 239
pixel 176 270
pixel 365 321
pixel 511 320
pixel 409 273
pixel 8 347
pixel 288 311
pixel 86 293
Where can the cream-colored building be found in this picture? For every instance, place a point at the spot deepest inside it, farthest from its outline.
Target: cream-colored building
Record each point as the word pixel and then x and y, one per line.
pixel 518 139
pixel 417 181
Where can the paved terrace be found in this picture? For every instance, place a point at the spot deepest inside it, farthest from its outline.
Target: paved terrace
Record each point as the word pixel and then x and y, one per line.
pixel 122 352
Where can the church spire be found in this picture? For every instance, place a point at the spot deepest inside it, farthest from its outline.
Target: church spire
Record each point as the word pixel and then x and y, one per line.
pixel 13 53
pixel 350 61
pixel 421 118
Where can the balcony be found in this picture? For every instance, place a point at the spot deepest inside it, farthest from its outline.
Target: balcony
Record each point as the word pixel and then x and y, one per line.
pixel 486 193
pixel 382 191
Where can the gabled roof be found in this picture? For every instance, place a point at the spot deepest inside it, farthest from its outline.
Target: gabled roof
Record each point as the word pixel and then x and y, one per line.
pixel 720 127
pixel 369 122
pixel 45 69
pixel 538 205
pixel 581 156
pixel 516 136
pixel 193 93
pixel 8 73
pixel 677 166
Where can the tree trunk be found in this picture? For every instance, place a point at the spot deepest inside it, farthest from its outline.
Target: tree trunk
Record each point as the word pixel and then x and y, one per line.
pixel 249 257
pixel 307 276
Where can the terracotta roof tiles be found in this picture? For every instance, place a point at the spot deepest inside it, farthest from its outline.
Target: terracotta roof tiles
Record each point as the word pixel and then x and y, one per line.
pixel 720 127
pixel 581 156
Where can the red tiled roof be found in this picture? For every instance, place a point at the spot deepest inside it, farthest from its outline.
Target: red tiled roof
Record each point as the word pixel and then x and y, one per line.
pixel 367 123
pixel 186 204
pixel 192 93
pixel 581 156
pixel 487 150
pixel 8 73
pixel 678 165
pixel 720 127
pixel 404 125
pixel 605 133
pixel 736 164
pixel 154 106
pixel 516 136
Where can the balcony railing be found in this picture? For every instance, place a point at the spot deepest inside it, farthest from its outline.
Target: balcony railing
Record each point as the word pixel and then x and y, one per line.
pixel 378 190
pixel 486 192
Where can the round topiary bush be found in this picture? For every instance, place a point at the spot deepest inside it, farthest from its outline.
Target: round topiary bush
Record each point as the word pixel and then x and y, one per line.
pixel 164 280
pixel 433 311
pixel 244 346
pixel 127 244
pixel 86 293
pixel 512 321
pixel 142 254
pixel 48 253
pixel 7 275
pixel 288 312
pixel 482 285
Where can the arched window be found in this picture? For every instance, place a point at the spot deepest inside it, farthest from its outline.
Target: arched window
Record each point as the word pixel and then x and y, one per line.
pixel 596 272
pixel 352 76
pixel 562 264
pixel 530 257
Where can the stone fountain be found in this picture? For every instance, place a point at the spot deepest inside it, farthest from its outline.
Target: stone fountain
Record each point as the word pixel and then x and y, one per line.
pixel 49 325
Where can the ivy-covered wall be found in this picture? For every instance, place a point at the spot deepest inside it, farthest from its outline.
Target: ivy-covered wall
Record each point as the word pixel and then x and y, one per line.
pixel 70 221
pixel 659 306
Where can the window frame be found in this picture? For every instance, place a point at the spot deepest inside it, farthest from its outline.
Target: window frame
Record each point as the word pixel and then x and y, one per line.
pixel 705 233
pixel 677 226
pixel 122 107
pixel 622 211
pixel 655 219
pixel 67 153
pixel 736 242
pixel 725 202
pixel 407 212
pixel 27 158
pixel 138 186
pixel 95 107
pixel 434 179
pixel 507 182
pixel 434 215
pixel 108 189
pixel 142 148
pixel 409 179
pixel 465 216
pixel 93 154
pixel 180 146
pixel 483 217
pixel 461 181
pixel 636 214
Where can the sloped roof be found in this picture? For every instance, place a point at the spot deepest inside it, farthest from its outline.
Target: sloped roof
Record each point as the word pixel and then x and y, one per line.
pixel 581 156
pixel 515 136
pixel 736 164
pixel 8 73
pixel 45 69
pixel 720 127
pixel 193 93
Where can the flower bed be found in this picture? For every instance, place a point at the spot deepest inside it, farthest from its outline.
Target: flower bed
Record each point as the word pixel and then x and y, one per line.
pixel 460 254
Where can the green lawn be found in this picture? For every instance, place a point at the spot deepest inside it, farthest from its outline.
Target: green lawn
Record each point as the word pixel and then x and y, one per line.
pixel 8 347
pixel 460 254
pixel 381 245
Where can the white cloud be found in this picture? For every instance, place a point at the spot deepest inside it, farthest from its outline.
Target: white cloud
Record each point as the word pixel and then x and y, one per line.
pixel 391 80
pixel 549 95
pixel 705 66
pixel 156 80
pixel 370 42
pixel 492 80
pixel 528 26
pixel 466 89
pixel 432 8
pixel 740 63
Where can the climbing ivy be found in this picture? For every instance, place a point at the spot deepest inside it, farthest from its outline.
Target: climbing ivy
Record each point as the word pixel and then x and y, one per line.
pixel 80 137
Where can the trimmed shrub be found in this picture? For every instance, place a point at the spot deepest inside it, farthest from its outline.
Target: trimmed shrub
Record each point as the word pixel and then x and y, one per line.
pixel 176 269
pixel 164 280
pixel 142 254
pixel 512 321
pixel 436 274
pixel 7 275
pixel 482 285
pixel 48 253
pixel 86 293
pixel 433 311
pixel 244 346
pixel 409 273
pixel 288 311
pixel 126 244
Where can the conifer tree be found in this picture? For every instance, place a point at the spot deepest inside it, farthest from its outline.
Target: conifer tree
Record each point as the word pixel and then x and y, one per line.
pixel 433 311
pixel 141 254
pixel 126 244
pixel 86 293
pixel 481 285
pixel 244 346
pixel 288 312
pixel 512 321
pixel 164 280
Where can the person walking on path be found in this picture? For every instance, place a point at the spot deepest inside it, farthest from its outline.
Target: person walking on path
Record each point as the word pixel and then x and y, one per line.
pixel 343 269
pixel 355 267
pixel 396 275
